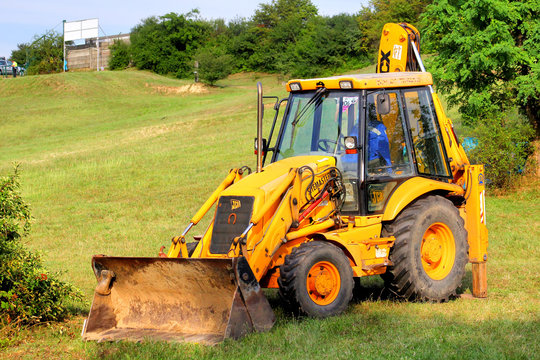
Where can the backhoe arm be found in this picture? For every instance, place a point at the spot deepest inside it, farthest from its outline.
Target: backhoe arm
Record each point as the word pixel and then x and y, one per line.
pixel 396 53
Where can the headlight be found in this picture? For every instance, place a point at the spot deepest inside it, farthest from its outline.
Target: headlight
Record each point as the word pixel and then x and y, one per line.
pixel 351 145
pixel 295 86
pixel 345 84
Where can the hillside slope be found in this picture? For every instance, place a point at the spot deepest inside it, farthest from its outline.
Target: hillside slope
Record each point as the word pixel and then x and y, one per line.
pixel 117 162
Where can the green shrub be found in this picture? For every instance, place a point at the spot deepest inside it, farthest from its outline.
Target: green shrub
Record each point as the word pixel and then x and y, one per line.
pixel 28 292
pixel 45 54
pixel 213 65
pixel 166 44
pixel 504 147
pixel 120 55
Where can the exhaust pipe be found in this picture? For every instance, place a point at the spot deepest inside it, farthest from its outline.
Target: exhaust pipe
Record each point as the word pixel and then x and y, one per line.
pixel 260 111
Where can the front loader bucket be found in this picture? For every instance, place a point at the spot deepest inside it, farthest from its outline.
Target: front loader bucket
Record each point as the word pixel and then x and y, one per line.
pixel 186 300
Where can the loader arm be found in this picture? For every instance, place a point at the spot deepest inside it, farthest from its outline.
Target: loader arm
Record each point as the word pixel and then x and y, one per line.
pixel 288 223
pixel 287 202
pixel 178 246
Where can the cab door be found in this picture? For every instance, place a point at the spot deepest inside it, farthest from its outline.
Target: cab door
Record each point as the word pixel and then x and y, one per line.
pixel 402 140
pixel 387 157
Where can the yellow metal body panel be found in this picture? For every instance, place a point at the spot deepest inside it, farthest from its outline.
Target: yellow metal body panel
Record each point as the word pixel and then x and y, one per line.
pixel 367 251
pixel 178 246
pixel 359 239
pixel 394 47
pixel 475 214
pixel 367 81
pixel 411 190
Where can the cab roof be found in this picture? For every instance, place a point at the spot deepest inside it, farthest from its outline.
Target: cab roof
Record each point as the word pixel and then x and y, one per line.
pixel 366 81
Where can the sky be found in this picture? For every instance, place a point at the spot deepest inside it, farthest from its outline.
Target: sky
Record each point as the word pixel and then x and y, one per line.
pixel 21 20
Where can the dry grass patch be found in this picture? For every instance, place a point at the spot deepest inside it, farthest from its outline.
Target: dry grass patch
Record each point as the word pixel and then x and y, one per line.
pixel 197 88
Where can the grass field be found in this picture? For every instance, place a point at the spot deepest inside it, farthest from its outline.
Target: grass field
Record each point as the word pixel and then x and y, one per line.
pixel 117 162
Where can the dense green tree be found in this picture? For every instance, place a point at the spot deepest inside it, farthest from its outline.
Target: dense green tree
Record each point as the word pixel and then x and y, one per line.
pixel 277 27
pixel 488 53
pixel 329 44
pixel 120 55
pixel 44 55
pixel 214 64
pixel 379 12
pixel 166 44
pixel 285 15
pixel 240 42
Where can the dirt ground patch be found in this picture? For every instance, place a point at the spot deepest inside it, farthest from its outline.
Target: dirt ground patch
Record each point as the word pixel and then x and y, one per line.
pixel 196 88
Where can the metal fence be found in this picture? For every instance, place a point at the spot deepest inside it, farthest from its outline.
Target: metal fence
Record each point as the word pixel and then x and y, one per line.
pixel 4 70
pixel 7 71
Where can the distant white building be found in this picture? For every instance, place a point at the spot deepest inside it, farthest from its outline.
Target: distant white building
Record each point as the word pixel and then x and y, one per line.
pixel 85 56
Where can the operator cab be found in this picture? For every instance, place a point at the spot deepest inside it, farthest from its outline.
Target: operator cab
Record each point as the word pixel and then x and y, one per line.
pixel 395 130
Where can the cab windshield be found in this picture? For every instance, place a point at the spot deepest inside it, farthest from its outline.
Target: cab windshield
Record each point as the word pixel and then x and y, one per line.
pixel 316 125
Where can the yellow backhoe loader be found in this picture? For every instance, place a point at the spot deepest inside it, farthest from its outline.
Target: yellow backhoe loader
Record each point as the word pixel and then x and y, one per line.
pixel 365 176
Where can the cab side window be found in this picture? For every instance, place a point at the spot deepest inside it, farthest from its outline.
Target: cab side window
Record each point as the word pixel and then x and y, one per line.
pixel 387 153
pixel 425 136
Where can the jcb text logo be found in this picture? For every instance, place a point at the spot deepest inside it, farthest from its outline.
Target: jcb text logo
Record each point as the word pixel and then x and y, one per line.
pixel 235 204
pixel 377 196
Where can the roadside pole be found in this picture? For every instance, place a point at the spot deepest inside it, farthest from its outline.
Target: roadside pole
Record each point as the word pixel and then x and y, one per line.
pixel 97 59
pixel 64 44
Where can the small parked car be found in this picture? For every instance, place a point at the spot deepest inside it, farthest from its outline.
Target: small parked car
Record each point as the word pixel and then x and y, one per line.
pixel 6 67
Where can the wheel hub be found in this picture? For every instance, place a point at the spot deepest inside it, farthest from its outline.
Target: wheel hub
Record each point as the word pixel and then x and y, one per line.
pixel 432 249
pixel 438 251
pixel 323 283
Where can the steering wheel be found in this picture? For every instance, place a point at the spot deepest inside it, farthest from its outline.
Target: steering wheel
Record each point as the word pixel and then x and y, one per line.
pixel 328 145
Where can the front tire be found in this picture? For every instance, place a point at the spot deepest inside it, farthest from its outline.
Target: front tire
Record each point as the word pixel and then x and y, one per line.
pixel 316 279
pixel 430 251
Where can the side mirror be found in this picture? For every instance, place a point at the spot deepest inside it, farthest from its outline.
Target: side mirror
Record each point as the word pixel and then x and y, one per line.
pixel 383 104
pixel 263 147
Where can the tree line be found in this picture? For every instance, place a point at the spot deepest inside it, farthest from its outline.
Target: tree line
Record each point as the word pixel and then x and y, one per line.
pixel 282 36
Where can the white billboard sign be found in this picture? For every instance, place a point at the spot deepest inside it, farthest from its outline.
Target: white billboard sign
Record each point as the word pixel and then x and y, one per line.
pixel 83 29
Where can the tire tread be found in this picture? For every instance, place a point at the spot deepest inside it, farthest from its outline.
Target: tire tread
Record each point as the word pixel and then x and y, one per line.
pixel 401 280
pixel 289 271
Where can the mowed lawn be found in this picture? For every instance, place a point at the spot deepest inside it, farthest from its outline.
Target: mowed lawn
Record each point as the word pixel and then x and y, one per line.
pixel 117 162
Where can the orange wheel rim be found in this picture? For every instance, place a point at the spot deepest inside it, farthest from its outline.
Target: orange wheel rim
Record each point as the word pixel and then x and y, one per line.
pixel 323 283
pixel 438 251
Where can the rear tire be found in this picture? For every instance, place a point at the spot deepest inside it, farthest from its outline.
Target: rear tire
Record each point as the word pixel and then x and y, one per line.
pixel 316 279
pixel 430 251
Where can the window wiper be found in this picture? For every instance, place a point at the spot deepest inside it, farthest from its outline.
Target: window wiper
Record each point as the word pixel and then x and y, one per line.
pixel 316 97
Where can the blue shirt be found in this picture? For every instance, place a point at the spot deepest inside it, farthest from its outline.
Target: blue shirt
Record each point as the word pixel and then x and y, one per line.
pixel 378 145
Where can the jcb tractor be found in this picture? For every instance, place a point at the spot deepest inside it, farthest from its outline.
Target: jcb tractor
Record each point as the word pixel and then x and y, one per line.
pixel 363 176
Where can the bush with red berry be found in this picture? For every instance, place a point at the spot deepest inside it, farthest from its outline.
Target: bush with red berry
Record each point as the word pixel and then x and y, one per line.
pixel 28 292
